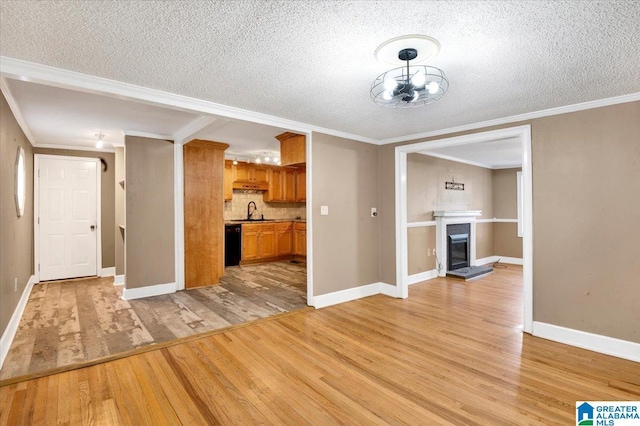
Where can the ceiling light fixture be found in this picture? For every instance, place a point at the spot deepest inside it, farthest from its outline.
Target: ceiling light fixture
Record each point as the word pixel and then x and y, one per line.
pixel 100 140
pixel 410 85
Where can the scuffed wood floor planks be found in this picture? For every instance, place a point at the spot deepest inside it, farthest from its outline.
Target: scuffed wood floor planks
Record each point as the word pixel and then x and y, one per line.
pixel 453 353
pixel 76 321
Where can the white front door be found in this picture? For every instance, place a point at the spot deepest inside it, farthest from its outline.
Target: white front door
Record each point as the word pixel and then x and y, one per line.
pixel 68 220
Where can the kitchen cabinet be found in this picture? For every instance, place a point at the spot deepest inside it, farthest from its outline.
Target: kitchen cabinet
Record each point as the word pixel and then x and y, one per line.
pixel 258 241
pixel 246 172
pixel 292 148
pixel 282 183
pixel 301 185
pixel 203 212
pixel 276 187
pixel 284 238
pixel 229 177
pixel 300 239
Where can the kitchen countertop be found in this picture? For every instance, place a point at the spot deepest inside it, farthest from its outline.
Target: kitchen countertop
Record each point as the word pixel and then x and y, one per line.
pixel 244 221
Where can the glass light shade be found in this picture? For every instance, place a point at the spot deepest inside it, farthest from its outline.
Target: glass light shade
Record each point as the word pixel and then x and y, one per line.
pixel 419 78
pixel 407 93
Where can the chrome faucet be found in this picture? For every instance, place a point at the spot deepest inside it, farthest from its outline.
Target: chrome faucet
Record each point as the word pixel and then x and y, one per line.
pixel 249 212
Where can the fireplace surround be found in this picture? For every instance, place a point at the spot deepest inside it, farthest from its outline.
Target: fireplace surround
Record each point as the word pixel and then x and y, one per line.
pixel 454 217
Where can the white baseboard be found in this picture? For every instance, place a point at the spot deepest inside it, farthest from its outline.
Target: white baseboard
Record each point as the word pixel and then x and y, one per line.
pixel 502 259
pixel 108 272
pixel 151 290
pixel 593 342
pixel 14 322
pixel 389 290
pixel 422 276
pixel 118 280
pixel 347 295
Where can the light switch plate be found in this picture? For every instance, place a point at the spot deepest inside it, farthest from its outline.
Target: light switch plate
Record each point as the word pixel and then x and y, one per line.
pixel 374 212
pixel 324 210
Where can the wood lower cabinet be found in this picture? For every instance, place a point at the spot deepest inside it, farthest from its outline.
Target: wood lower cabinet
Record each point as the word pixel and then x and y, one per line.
pixel 300 239
pixel 258 241
pixel 284 238
pixel 267 246
pixel 250 242
pixel 272 241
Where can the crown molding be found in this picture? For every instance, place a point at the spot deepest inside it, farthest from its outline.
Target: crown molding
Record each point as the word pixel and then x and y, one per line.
pixel 57 77
pixel 73 147
pixel 149 135
pixel 15 109
pixel 632 97
pixel 181 135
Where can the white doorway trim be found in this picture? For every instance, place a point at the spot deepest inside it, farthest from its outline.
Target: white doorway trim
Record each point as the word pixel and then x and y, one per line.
pixel 36 209
pixel 309 214
pixel 521 132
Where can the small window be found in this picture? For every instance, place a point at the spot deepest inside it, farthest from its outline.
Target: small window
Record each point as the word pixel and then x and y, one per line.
pixel 21 182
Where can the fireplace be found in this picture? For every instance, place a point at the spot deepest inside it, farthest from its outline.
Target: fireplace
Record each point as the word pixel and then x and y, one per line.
pixel 458 246
pixel 461 225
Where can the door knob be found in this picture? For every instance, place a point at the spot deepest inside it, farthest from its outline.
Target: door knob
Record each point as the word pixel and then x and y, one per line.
pixel 93 227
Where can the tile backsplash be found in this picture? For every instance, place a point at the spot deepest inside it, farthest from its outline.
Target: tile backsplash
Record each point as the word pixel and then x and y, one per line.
pixel 236 209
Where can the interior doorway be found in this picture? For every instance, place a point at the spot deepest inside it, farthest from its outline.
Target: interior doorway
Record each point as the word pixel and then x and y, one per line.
pixel 67 241
pixel 523 135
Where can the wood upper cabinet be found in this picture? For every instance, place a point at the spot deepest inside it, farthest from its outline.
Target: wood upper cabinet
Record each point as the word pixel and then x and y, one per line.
pixel 276 188
pixel 292 148
pixel 229 177
pixel 300 239
pixel 301 185
pixel 282 183
pixel 284 238
pixel 246 172
pixel 204 171
pixel 289 183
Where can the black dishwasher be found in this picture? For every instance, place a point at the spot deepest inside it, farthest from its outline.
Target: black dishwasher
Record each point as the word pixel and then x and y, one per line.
pixel 232 244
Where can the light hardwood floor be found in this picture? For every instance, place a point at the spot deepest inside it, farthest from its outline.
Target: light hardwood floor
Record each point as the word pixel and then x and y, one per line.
pixel 73 322
pixel 453 353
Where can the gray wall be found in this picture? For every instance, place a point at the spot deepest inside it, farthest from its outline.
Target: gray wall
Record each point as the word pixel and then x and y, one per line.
pixel 150 233
pixel 345 243
pixel 107 198
pixel 16 233
pixel 425 191
pixel 505 200
pixel 586 201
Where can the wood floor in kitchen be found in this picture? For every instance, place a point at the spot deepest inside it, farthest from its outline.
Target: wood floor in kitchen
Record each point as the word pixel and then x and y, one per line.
pixel 75 321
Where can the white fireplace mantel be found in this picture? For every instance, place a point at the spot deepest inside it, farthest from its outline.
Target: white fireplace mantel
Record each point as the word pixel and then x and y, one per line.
pixel 450 217
pixel 457 213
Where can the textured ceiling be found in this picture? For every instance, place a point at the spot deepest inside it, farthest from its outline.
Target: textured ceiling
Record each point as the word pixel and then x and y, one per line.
pixel 313 61
pixel 66 117
pixel 496 154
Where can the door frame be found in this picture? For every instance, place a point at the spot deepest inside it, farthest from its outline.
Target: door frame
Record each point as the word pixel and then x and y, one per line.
pixel 402 257
pixel 36 209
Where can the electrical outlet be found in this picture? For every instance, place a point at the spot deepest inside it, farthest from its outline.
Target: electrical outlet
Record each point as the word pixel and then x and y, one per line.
pixel 324 210
pixel 15 284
